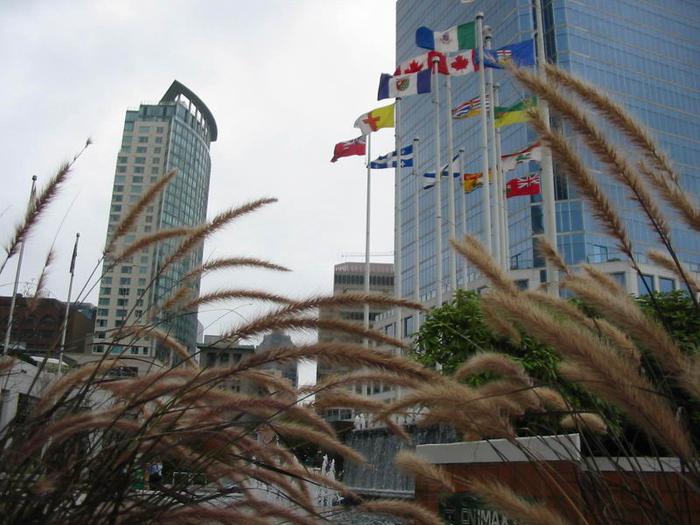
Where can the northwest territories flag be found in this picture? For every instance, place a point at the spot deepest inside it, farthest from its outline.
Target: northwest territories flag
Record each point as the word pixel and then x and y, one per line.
pixel 520 54
pixel 403 85
pixel 389 160
pixel 513 160
pixel 455 38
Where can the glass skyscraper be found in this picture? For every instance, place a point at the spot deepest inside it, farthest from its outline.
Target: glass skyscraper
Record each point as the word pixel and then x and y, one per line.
pixel 174 134
pixel 644 53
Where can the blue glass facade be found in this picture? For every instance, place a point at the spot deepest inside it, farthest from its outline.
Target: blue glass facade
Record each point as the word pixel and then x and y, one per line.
pixel 174 134
pixel 645 54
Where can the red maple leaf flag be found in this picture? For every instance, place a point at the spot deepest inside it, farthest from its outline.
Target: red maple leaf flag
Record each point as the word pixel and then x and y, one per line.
pixel 462 63
pixel 413 67
pixel 422 62
pixel 527 185
pixel 351 147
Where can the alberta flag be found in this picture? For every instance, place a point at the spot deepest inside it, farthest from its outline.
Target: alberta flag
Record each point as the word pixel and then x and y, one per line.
pixel 513 160
pixel 389 160
pixel 527 185
pixel 520 54
pixel 403 85
pixel 455 38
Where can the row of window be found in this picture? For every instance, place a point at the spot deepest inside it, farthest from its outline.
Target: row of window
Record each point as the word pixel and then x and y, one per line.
pixel 376 280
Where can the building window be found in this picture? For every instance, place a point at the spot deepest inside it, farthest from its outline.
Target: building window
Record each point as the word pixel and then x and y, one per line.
pixel 138 169
pixel 121 313
pixel 144 129
pixel 101 323
pixel 159 129
pixel 121 169
pixel 159 140
pixel 126 269
pixel 125 280
pixel 154 171
pixel 121 160
pixel 645 283
pixel 137 178
pixel 103 312
pixel 666 284
pixel 105 290
pixel 408 325
pixel 103 301
pixel 143 140
pixel 522 284
pixel 141 149
pixel 122 302
pixel 107 280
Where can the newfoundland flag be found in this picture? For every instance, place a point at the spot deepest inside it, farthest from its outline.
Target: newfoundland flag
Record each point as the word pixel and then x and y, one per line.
pixel 352 147
pixel 403 85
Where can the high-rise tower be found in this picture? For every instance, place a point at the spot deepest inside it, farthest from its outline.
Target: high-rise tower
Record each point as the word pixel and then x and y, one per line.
pixel 643 53
pixel 174 134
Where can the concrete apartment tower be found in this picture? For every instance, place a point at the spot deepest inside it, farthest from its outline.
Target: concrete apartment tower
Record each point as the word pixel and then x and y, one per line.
pixel 174 134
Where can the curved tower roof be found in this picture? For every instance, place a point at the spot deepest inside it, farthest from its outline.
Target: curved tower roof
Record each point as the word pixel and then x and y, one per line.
pixel 177 88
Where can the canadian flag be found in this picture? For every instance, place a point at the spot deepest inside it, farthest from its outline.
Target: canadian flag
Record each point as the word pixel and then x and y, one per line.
pixel 527 185
pixel 423 62
pixel 462 63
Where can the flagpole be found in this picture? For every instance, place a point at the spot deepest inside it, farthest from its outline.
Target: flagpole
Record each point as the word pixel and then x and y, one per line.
pixel 547 176
pixel 505 236
pixel 497 208
pixel 416 230
pixel 398 238
pixel 486 192
pixel 8 331
pixel 65 317
pixel 438 188
pixel 367 231
pixel 451 182
pixel 464 214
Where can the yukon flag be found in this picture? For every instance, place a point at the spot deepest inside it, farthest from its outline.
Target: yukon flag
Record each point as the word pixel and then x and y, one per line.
pixel 453 39
pixel 403 85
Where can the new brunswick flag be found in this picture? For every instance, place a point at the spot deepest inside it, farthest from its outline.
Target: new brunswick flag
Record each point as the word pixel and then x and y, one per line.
pixel 376 119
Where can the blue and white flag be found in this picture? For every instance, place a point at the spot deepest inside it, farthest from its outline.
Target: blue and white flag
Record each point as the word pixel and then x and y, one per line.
pixel 429 178
pixel 389 160
pixel 520 54
pixel 393 86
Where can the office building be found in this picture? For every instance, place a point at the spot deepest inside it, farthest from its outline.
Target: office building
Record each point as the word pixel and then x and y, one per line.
pixel 174 134
pixel 643 53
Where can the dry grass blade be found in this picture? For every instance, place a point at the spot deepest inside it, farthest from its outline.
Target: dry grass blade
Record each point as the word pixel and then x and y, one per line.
pixel 38 206
pixel 149 240
pixel 172 344
pixel 216 224
pixel 361 377
pixel 544 248
pixel 225 295
pixel 612 377
pixel 550 399
pixel 675 196
pixel 492 362
pixel 681 272
pixel 632 129
pixel 617 164
pixel 645 331
pixel 584 421
pixel 505 500
pixel 405 510
pixel 589 189
pixel 137 209
pixel 234 262
pixel 474 251
pixel 41 282
pixel 413 464
pixel 289 429
pixel 182 294
pixel 342 399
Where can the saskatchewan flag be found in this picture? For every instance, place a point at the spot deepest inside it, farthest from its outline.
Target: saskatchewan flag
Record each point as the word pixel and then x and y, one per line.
pixel 505 116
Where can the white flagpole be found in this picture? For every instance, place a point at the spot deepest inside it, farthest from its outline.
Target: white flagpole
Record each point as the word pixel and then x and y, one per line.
pixel 464 213
pixel 65 317
pixel 438 187
pixel 398 238
pixel 547 182
pixel 485 189
pixel 8 331
pixel 416 230
pixel 497 208
pixel 505 236
pixel 451 184
pixel 367 232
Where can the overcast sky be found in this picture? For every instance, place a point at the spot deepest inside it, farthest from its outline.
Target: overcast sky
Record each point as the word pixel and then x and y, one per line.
pixel 285 80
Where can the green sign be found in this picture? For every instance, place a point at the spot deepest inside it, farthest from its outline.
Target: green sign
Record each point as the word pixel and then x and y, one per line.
pixel 463 508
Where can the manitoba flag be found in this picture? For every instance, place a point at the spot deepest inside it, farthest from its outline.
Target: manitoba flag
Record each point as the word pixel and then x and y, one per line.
pixel 351 147
pixel 527 185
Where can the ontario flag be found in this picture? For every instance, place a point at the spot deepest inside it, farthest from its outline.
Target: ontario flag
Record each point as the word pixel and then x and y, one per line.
pixel 352 147
pixel 527 185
